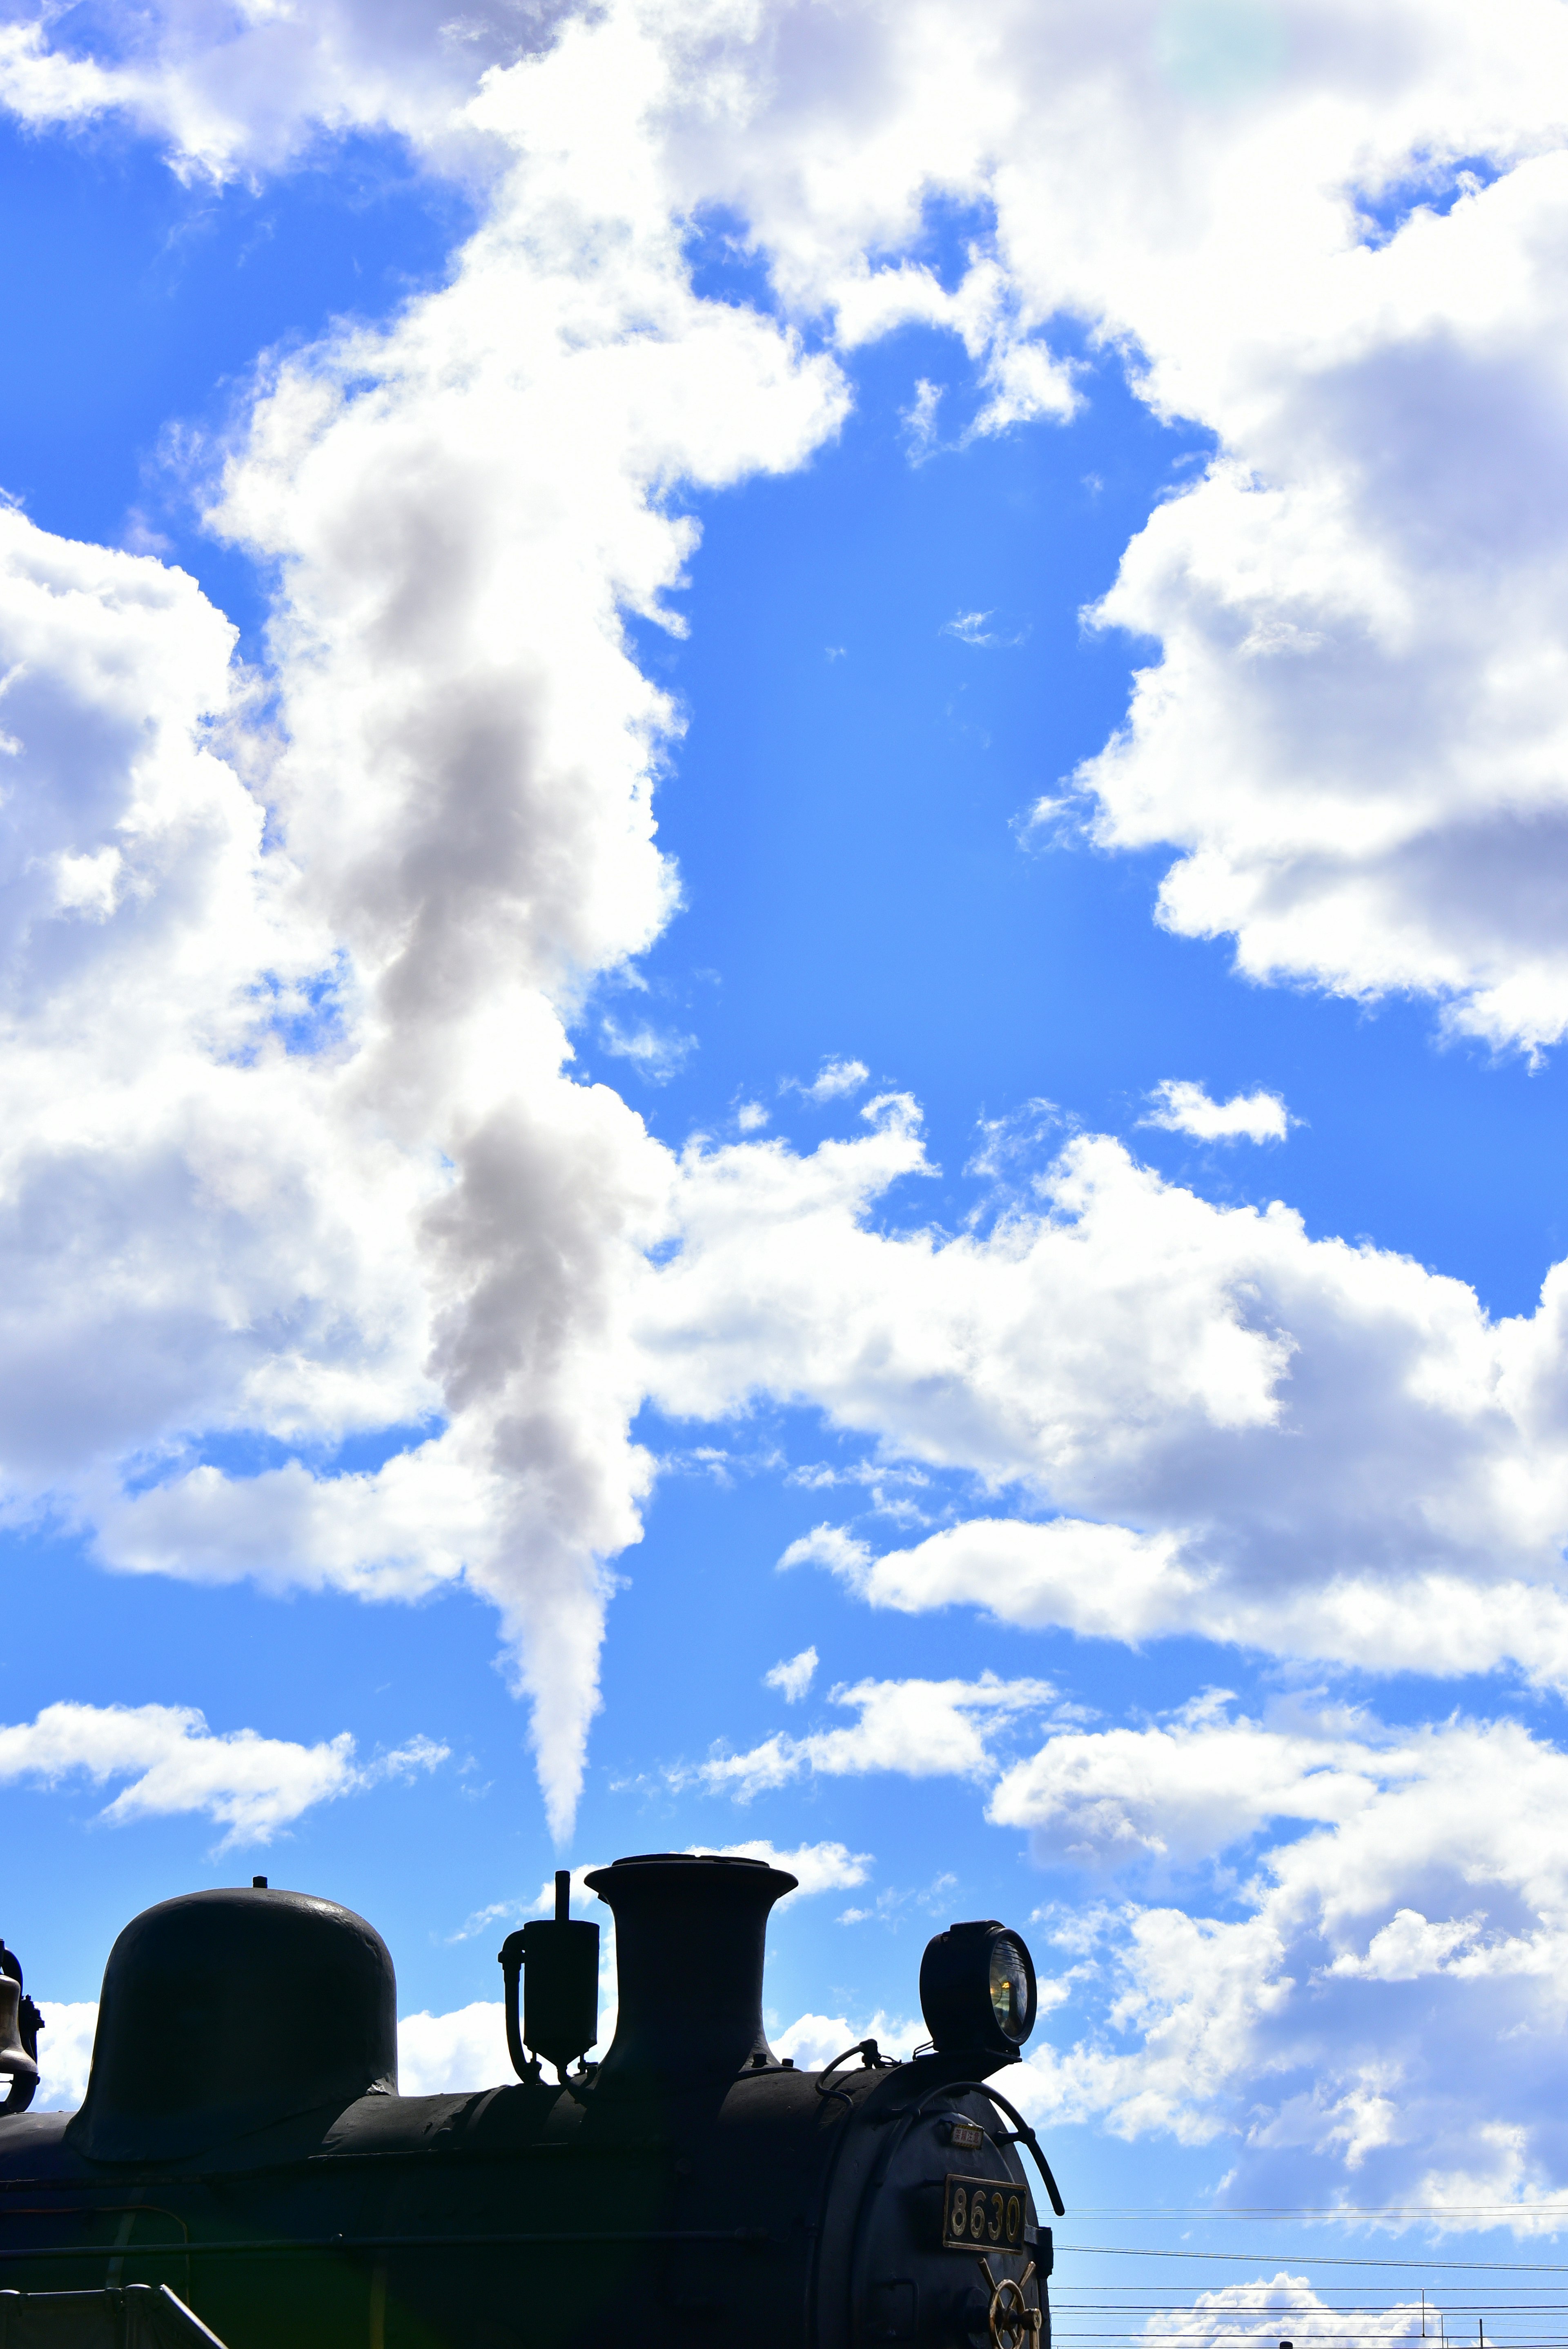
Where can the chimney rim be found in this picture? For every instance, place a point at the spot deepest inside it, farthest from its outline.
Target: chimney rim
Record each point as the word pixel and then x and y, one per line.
pixel 697 1862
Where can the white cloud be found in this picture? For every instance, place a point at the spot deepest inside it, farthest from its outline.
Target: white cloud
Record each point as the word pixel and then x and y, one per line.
pixel 842 1553
pixel 254 1787
pixel 792 1676
pixel 920 421
pixel 656 1053
pixel 820 1867
pixel 1311 1448
pixel 1105 1581
pixel 835 1081
pixel 307 1088
pixel 582 1897
pixel 971 628
pixel 1352 736
pixel 1184 1108
pixel 926 1729
pixel 892 1903
pixel 812 2041
pixel 1264 2308
pixel 65 2052
pixel 1100 1580
pixel 439 2054
pixel 1381 1994
pixel 1185 1792
pixel 482 1921
pixel 462 508
pixel 253 87
pixel 1352 740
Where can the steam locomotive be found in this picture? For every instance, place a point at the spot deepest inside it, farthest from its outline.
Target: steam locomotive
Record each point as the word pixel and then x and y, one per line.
pixel 243 2170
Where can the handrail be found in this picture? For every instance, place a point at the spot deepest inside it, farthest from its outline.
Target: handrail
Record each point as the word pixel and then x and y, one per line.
pixel 1021 2133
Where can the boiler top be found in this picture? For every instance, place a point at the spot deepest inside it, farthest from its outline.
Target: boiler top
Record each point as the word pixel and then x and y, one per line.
pixel 223 2012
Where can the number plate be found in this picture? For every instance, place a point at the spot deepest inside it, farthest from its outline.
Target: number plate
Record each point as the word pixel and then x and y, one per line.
pixel 980 2214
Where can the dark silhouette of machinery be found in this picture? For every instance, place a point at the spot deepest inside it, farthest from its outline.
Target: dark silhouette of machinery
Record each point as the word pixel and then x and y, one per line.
pixel 243 2152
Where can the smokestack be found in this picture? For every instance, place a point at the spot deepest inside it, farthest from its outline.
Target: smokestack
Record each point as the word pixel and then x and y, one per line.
pixel 689 1939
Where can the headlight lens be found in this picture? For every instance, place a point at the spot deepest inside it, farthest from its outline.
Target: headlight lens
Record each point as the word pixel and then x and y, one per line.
pixel 1010 1999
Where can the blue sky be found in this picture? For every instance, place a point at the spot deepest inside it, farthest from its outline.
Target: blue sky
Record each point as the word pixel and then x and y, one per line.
pixel 782 852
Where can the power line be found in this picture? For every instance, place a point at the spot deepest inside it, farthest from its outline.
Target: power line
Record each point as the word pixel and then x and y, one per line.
pixel 1235 2212
pixel 1317 2259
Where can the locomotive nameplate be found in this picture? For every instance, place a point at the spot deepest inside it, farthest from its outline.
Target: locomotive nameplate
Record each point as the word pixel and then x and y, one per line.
pixel 980 2214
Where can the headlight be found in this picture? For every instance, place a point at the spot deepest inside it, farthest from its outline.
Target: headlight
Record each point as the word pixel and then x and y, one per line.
pixel 978 1989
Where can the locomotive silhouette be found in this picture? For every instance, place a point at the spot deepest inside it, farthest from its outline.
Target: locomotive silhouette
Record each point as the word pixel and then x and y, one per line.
pixel 243 2170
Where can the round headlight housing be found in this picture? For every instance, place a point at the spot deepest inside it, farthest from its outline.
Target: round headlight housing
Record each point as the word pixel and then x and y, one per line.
pixel 978 1989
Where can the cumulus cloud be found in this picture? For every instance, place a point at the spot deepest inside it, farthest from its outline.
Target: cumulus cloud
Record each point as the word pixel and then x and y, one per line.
pixel 1352 732
pixel 1290 1444
pixel 1380 1995
pixel 444 2053
pixel 792 1676
pixel 1105 1581
pixel 253 1785
pixel 813 2040
pixel 1096 1579
pixel 1184 1108
pixel 288 1114
pixel 1351 735
pixel 65 2052
pixel 926 1729
pixel 1267 2306
pixel 252 88
pixel 820 1867
pixel 1188 1790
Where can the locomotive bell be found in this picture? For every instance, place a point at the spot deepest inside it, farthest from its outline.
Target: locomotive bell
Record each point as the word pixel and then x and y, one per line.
pixel 689 1935
pixel 15 2060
